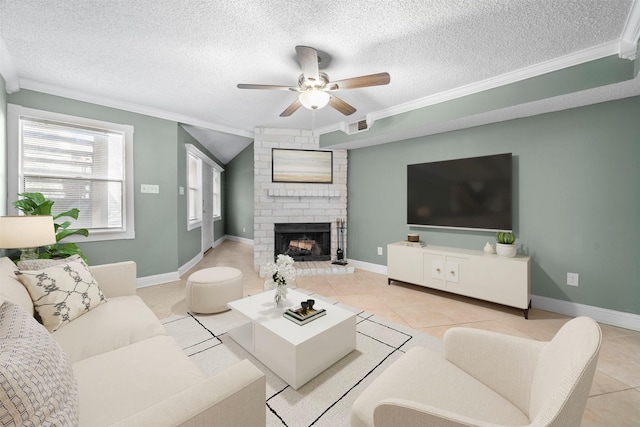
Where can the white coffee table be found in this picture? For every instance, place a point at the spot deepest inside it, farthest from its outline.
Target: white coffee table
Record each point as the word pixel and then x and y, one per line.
pixel 296 353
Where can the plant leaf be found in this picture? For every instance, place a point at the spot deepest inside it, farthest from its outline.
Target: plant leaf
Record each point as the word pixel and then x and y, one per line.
pixel 73 213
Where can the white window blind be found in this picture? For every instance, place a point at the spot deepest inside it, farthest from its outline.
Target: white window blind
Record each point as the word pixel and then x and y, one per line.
pixel 195 189
pixel 78 163
pixel 76 167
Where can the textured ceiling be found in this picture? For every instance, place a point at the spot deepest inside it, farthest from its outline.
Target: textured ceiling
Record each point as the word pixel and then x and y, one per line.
pixel 182 59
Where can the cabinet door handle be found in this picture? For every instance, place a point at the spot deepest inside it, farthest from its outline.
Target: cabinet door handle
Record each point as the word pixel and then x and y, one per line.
pixel 438 270
pixel 452 272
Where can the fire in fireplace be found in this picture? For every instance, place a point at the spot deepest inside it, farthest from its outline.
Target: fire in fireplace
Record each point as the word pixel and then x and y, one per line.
pixel 303 241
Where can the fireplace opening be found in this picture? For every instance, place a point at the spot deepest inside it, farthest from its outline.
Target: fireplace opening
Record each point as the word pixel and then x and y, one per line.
pixel 303 241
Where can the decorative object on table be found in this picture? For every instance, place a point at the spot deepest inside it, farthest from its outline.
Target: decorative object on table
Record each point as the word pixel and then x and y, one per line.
pixel 341 225
pixel 418 244
pixel 305 313
pixel 506 244
pixel 489 249
pixel 27 233
pixel 412 237
pixel 35 204
pixel 280 272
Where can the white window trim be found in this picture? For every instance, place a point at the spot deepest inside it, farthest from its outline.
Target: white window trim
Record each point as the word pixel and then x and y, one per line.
pixel 195 151
pixel 13 173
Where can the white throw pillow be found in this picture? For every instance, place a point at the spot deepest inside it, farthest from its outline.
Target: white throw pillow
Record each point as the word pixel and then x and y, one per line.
pixel 62 293
pixel 41 264
pixel 37 384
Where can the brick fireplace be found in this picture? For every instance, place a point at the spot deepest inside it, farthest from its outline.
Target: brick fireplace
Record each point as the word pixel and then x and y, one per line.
pixel 283 203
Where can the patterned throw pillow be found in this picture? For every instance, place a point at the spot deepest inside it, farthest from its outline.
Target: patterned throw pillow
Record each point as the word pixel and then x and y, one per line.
pixel 40 264
pixel 37 385
pixel 62 293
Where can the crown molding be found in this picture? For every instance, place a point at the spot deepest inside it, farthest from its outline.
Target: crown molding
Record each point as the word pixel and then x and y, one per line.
pixel 577 58
pixel 631 33
pixel 8 69
pixel 127 106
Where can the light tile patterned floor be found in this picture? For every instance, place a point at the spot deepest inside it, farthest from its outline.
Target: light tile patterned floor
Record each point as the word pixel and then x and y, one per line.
pixel 615 395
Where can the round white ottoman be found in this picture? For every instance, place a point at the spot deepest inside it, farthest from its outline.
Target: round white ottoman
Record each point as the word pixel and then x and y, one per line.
pixel 210 289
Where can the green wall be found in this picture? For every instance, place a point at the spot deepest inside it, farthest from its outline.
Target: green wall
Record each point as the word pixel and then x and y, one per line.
pixel 190 242
pixel 155 248
pixel 239 200
pixel 576 198
pixel 3 147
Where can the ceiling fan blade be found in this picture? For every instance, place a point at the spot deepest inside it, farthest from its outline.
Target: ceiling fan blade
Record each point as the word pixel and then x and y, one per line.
pixel 341 106
pixel 291 108
pixel 378 79
pixel 308 59
pixel 268 87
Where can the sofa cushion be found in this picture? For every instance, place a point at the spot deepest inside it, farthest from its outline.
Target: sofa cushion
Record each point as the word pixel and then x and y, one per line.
pixel 439 384
pixel 62 293
pixel 11 289
pixel 132 378
pixel 37 384
pixel 40 264
pixel 122 321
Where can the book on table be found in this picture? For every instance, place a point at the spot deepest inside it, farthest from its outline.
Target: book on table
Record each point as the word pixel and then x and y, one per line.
pixel 300 316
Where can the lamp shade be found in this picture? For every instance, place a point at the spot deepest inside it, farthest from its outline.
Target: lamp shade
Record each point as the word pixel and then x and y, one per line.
pixel 30 231
pixel 314 99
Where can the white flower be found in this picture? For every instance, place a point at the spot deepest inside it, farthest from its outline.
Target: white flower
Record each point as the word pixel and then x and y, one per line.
pixel 281 272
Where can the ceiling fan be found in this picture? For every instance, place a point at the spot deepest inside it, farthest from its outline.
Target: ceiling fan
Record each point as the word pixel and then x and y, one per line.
pixel 315 89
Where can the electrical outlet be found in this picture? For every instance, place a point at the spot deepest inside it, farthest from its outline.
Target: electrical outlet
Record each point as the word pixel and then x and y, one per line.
pixel 573 279
pixel 379 250
pixel 243 229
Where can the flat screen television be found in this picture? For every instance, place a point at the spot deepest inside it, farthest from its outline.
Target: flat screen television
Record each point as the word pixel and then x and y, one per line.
pixel 471 193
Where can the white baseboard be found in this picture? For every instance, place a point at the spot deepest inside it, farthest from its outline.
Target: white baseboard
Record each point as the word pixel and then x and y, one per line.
pixel 240 239
pixel 602 315
pixel 158 279
pixel 367 266
pixel 190 264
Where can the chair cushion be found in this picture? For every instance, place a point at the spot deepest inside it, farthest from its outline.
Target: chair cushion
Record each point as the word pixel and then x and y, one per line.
pixel 62 293
pixel 427 377
pixel 37 384
pixel 120 322
pixel 147 372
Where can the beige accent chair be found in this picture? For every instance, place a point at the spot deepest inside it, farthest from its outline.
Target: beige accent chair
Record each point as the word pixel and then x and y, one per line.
pixel 487 379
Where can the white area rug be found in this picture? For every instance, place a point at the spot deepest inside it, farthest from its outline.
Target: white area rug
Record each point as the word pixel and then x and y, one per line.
pixel 325 400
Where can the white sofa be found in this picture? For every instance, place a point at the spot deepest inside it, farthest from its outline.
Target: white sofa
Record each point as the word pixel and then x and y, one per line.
pixel 487 379
pixel 130 373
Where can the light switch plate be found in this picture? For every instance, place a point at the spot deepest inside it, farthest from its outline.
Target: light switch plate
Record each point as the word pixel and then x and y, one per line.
pixel 149 188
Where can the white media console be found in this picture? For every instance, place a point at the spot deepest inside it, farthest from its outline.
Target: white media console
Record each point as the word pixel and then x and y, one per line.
pixel 466 272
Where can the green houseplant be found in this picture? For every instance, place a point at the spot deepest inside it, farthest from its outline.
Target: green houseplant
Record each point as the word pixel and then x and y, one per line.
pixel 37 204
pixel 506 244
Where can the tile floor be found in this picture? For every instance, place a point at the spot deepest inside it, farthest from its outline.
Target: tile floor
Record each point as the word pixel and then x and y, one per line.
pixel 615 395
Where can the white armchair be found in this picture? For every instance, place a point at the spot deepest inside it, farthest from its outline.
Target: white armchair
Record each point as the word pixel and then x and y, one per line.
pixel 487 379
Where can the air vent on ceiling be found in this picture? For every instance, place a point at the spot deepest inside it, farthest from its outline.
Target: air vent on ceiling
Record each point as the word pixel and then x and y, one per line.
pixel 359 126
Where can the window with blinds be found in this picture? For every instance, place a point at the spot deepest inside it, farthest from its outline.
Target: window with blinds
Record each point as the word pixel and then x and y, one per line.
pixel 76 167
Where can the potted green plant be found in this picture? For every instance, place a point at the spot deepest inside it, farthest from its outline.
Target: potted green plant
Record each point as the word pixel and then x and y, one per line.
pixel 37 204
pixel 506 244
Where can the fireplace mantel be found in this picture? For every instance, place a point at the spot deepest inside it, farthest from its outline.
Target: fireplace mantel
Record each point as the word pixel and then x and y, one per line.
pixel 287 192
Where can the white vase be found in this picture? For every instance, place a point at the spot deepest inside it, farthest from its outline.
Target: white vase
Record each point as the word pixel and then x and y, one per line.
pixel 488 248
pixel 506 250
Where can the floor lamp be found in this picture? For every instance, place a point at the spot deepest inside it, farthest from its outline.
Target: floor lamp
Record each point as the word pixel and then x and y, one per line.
pixel 26 233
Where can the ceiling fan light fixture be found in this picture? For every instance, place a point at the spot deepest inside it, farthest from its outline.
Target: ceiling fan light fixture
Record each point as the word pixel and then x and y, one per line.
pixel 314 98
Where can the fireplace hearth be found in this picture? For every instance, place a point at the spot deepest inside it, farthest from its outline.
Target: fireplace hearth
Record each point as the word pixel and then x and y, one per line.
pixel 303 241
